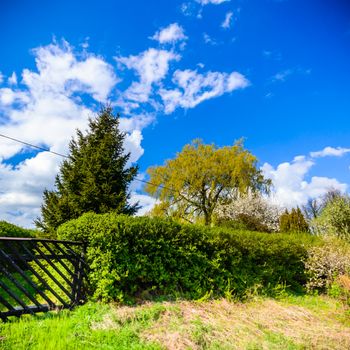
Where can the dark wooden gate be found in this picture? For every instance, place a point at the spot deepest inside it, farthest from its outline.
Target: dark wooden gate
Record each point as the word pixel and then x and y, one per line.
pixel 38 275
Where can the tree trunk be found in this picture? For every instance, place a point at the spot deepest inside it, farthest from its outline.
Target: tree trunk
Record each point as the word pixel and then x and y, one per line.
pixel 207 217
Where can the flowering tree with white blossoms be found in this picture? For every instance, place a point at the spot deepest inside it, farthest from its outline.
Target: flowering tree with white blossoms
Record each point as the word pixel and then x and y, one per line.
pixel 253 208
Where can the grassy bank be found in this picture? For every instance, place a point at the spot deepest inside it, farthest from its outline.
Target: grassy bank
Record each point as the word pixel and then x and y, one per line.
pixel 306 322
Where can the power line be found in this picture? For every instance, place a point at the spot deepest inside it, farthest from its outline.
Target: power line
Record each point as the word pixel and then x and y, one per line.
pixel 33 146
pixel 65 156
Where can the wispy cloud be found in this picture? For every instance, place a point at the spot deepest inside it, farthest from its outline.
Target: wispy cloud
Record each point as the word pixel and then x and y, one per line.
pixel 151 66
pixel 213 2
pixel 170 34
pixel 283 75
pixel 272 54
pixel 226 24
pixel 194 88
pixel 209 40
pixel 330 152
pixel 12 80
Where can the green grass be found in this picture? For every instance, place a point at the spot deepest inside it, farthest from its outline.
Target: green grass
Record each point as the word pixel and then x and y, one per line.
pixel 291 322
pixel 74 330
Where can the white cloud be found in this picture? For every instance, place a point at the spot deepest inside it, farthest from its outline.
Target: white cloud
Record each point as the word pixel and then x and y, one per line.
pixel 194 88
pixel 132 144
pixel 22 186
pixel 274 55
pixel 12 79
pixel 170 34
pixel 330 152
pixel 61 71
pixel 7 96
pixel 1 78
pixel 290 185
pixel 282 76
pixel 226 24
pixel 214 2
pixel 138 122
pixel 146 202
pixel 187 8
pixel 151 66
pixel 209 40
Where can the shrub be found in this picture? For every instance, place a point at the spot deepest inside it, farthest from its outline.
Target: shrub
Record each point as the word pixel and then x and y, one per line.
pixel 326 262
pixel 244 222
pixel 340 289
pixel 10 230
pixel 335 218
pixel 143 257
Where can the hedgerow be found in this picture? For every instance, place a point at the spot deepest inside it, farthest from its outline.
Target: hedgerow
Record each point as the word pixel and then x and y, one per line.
pixel 141 257
pixel 10 230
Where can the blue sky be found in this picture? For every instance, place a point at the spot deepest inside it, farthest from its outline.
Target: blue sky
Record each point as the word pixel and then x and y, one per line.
pixel 274 72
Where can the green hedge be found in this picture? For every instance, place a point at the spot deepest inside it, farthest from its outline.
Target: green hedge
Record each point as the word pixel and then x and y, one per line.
pixel 10 230
pixel 142 257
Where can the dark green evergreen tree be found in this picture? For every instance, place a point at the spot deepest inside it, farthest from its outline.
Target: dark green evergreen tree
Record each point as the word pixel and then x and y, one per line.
pixel 285 222
pixel 293 221
pixel 94 177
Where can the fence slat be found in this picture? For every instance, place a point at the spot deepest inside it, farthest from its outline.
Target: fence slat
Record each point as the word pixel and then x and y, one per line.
pixel 14 296
pixel 49 274
pixel 13 248
pixel 16 259
pixel 42 254
pixel 6 303
pixel 60 261
pixel 19 285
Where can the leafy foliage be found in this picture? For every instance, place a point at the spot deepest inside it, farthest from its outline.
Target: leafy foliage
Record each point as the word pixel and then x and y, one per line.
pixel 93 178
pixel 293 221
pixel 143 257
pixel 10 230
pixel 335 218
pixel 192 184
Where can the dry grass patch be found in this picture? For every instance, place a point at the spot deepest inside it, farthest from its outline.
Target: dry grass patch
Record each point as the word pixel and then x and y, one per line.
pixel 221 324
pixel 263 324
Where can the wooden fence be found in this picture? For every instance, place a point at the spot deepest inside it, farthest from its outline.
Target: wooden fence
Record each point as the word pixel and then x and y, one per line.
pixel 38 275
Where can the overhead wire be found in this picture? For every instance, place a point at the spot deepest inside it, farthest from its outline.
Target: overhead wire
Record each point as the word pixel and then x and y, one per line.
pixel 67 157
pixel 33 146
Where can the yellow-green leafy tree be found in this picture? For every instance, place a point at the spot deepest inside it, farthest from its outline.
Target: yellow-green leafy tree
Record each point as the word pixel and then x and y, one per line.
pixel 190 186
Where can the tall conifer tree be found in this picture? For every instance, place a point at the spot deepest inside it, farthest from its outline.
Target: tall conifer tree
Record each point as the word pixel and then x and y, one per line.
pixel 293 221
pixel 94 177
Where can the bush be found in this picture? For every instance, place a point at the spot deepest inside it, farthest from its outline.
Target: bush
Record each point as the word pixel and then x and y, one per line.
pixel 334 219
pixel 10 230
pixel 143 257
pixel 326 262
pixel 243 222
